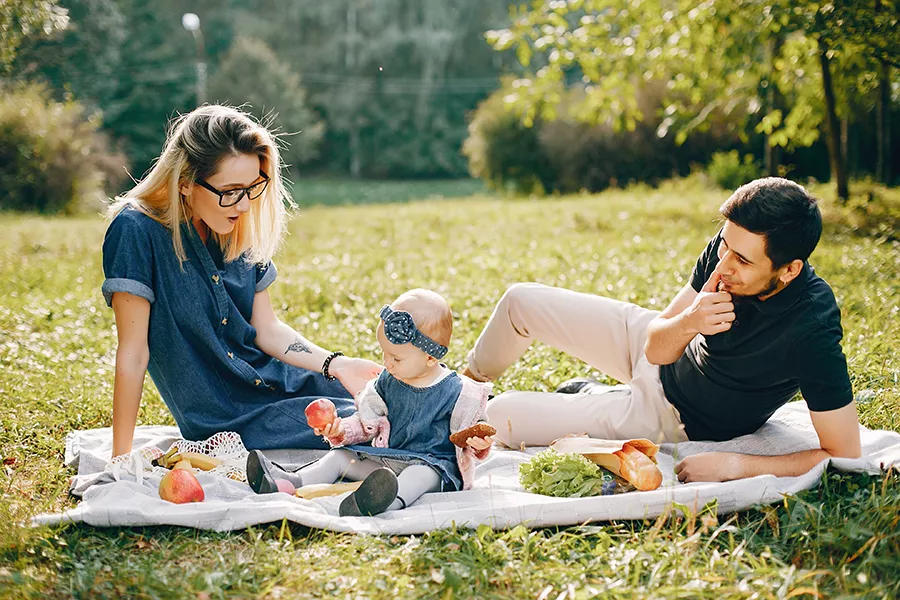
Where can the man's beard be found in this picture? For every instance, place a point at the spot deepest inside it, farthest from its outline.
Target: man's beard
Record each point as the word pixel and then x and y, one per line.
pixel 771 286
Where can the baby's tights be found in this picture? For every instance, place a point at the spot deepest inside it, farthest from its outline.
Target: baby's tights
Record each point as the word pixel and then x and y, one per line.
pixel 412 482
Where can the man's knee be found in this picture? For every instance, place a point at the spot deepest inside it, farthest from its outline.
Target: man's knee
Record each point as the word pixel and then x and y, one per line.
pixel 519 300
pixel 521 292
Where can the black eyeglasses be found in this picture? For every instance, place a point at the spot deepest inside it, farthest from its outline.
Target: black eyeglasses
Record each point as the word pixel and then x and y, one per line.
pixel 232 197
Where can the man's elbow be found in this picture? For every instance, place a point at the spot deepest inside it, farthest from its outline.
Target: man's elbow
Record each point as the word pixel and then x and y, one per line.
pixel 655 356
pixel 652 358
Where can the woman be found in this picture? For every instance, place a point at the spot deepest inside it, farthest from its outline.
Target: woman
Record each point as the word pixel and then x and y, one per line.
pixel 188 260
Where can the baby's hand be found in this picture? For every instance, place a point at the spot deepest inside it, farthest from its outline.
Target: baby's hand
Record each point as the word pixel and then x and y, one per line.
pixel 480 443
pixel 334 431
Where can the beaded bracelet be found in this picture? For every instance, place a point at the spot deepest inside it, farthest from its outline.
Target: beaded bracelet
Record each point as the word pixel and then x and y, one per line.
pixel 326 364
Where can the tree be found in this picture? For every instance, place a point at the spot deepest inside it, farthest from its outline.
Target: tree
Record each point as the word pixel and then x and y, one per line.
pixel 20 19
pixel 712 57
pixel 250 73
pixel 394 79
pixel 129 60
pixel 84 59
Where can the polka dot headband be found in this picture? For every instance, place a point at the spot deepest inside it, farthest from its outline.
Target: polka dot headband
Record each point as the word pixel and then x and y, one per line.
pixel 399 328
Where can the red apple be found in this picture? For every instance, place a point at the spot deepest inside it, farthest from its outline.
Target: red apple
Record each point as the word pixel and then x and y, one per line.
pixel 180 486
pixel 320 413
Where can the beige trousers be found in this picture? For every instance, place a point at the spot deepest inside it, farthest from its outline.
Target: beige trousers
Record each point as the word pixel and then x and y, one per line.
pixel 607 334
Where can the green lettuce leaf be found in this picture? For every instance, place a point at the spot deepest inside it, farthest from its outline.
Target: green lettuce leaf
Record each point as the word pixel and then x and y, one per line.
pixel 564 475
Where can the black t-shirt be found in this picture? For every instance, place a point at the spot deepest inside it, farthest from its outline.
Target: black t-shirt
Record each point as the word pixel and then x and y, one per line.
pixel 729 384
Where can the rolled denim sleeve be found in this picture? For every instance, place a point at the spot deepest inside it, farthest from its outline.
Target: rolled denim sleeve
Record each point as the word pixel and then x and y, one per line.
pixel 265 275
pixel 128 257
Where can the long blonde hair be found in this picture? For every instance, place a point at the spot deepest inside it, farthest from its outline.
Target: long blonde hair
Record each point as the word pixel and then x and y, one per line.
pixel 195 145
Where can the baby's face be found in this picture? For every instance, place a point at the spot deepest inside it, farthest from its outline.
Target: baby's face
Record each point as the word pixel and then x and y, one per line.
pixel 404 361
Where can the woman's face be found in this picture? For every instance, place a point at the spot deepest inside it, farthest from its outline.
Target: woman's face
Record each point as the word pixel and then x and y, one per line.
pixel 240 171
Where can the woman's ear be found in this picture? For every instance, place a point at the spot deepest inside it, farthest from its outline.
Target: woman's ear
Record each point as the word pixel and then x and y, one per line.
pixel 185 189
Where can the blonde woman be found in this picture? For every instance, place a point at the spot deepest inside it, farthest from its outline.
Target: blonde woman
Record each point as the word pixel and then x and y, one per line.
pixel 188 261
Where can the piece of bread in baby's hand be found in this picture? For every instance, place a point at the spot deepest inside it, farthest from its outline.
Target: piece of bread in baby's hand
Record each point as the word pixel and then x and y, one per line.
pixel 478 430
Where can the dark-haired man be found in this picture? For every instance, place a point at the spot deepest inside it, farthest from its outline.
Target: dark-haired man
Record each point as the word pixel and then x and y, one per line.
pixel 754 326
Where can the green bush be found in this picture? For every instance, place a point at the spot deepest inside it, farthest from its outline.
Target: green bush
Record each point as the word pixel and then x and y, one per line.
pixel 566 155
pixel 52 156
pixel 503 152
pixel 729 172
pixel 251 73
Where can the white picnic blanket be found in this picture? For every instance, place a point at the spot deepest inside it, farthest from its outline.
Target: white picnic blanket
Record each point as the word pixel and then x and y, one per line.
pixel 496 500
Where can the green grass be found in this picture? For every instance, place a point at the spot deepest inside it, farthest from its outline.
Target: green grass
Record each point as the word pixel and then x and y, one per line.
pixel 338 266
pixel 331 192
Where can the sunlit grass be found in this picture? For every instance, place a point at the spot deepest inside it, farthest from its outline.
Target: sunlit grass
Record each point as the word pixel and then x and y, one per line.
pixel 338 266
pixel 332 192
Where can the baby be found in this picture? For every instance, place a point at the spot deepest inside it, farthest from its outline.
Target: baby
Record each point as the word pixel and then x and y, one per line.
pixel 408 414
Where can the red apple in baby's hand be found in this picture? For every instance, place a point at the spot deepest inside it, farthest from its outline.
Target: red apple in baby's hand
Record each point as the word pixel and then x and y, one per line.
pixel 320 413
pixel 180 486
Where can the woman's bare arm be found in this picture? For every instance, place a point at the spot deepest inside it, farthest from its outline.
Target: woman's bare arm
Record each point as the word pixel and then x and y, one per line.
pixel 132 356
pixel 280 341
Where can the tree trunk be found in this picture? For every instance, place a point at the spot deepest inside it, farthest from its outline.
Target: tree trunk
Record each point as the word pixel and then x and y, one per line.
pixel 832 138
pixel 883 169
pixel 775 100
pixel 848 158
pixel 883 120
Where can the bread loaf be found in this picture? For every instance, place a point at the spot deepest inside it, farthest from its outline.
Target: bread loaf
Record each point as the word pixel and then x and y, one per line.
pixel 478 430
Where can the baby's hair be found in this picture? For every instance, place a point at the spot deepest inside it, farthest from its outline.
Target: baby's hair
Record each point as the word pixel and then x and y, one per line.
pixel 430 312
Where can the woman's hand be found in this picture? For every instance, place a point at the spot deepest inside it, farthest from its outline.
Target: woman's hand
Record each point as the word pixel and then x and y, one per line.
pixel 478 443
pixel 354 373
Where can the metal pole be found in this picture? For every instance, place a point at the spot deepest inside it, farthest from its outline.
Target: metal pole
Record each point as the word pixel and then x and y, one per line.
pixel 201 67
pixel 191 22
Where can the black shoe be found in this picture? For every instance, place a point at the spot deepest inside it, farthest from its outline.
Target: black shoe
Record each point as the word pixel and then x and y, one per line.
pixel 579 385
pixel 261 473
pixel 373 496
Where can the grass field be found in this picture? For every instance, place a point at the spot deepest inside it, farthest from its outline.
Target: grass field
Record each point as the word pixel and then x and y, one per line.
pixel 338 266
pixel 331 192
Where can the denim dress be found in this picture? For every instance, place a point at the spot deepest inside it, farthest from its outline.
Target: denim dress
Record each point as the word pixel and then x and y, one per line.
pixel 203 359
pixel 420 426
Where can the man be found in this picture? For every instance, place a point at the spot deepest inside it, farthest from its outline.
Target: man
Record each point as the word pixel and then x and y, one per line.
pixel 754 325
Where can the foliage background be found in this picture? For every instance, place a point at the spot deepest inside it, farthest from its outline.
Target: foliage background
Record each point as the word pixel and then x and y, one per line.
pixel 386 88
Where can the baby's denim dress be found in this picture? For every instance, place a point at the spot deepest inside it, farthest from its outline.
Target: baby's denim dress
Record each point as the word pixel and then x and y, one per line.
pixel 420 425
pixel 203 359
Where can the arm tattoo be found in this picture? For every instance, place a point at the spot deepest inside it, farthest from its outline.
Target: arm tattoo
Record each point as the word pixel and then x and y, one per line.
pixel 298 346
